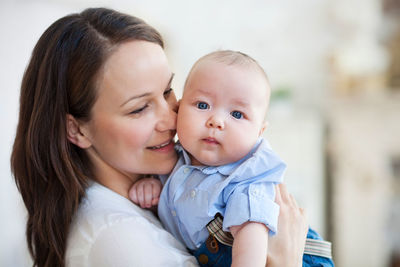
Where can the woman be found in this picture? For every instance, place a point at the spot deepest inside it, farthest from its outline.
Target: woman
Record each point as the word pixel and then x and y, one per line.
pixel 97 113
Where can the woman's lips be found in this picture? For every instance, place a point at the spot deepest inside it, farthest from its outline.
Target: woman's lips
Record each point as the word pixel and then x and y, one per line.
pixel 164 147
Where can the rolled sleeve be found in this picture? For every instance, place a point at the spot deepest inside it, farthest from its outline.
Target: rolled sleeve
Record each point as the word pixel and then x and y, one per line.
pixel 252 202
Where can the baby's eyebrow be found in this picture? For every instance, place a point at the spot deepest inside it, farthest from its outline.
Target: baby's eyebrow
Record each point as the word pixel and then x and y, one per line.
pixel 203 92
pixel 241 103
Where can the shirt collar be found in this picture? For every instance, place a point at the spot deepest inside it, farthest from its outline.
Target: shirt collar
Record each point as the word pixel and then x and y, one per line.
pixel 226 169
pixel 179 149
pixel 187 161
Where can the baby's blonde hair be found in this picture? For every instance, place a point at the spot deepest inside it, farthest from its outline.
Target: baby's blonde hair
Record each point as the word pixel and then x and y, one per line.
pixel 235 58
pixel 230 57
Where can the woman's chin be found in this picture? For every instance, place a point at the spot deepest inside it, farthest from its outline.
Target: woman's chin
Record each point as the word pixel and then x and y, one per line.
pixel 165 168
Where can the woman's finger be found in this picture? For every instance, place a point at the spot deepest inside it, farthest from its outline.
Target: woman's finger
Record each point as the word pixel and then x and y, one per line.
pixel 278 197
pixel 303 212
pixel 284 193
pixel 293 201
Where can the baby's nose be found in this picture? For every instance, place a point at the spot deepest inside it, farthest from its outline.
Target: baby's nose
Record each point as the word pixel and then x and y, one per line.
pixel 216 122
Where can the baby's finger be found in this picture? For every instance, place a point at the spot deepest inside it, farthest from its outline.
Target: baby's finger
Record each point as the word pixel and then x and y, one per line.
pixel 154 201
pixel 133 195
pixel 148 189
pixel 156 188
pixel 140 195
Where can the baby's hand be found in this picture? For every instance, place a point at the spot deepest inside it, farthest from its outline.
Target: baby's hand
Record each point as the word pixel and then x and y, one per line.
pixel 146 192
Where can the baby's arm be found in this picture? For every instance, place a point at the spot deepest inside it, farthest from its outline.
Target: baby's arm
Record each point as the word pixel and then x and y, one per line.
pixel 145 192
pixel 250 244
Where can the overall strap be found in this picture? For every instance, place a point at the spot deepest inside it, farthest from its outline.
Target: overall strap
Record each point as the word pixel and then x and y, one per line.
pixel 215 229
pixel 318 247
pixel 314 247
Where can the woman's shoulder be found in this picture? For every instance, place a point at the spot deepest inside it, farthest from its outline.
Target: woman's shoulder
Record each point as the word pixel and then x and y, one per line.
pixel 105 217
pixel 104 206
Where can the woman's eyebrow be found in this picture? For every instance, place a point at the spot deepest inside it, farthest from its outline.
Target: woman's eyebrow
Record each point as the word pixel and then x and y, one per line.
pixel 134 97
pixel 147 94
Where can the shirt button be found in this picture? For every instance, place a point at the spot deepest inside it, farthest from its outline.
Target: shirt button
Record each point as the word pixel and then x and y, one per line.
pixel 193 193
pixel 255 192
pixel 186 170
pixel 203 259
pixel 173 213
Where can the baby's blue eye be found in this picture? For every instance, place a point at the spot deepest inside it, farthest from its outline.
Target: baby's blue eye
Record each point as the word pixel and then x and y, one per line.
pixel 237 114
pixel 202 105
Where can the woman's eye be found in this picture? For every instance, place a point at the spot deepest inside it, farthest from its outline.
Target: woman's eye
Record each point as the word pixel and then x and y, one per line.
pixel 167 92
pixel 202 105
pixel 237 114
pixel 139 110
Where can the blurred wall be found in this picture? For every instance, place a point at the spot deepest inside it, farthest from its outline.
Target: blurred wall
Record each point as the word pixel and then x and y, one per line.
pixel 21 24
pixel 293 40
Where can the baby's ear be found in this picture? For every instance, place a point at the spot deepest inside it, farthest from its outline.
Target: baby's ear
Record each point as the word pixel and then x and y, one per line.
pixel 75 134
pixel 263 128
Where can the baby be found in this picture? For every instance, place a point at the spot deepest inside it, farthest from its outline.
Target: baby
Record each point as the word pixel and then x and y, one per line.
pixel 219 199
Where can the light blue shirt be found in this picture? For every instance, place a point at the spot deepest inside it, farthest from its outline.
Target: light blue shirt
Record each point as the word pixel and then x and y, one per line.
pixel 240 191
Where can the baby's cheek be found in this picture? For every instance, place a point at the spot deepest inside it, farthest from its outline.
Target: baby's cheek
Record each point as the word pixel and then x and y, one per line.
pixel 243 145
pixel 187 128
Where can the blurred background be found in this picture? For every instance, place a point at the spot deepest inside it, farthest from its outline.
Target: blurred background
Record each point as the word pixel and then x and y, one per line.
pixel 334 66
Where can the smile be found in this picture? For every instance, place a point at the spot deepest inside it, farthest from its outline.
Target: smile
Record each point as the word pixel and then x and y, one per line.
pixel 161 146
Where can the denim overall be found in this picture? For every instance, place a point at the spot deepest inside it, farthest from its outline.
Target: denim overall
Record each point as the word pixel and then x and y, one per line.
pixel 217 249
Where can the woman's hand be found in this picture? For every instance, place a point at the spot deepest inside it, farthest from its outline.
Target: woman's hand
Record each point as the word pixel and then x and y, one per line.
pixel 146 192
pixel 287 246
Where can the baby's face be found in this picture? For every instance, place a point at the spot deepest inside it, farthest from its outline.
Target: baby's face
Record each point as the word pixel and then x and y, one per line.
pixel 221 114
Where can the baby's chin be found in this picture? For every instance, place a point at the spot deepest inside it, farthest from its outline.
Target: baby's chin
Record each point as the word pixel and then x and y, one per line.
pixel 209 161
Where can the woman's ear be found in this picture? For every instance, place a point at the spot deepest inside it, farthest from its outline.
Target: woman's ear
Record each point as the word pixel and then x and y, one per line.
pixel 74 133
pixel 263 127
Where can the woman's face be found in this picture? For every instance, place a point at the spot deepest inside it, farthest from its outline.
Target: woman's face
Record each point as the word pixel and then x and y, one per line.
pixel 133 120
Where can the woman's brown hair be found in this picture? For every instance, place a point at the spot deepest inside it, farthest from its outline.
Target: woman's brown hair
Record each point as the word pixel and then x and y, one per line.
pixel 50 172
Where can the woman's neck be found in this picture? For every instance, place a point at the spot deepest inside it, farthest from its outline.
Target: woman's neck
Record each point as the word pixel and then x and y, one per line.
pixel 113 179
pixel 119 184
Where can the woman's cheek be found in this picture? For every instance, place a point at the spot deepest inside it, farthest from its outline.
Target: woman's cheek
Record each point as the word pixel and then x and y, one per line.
pixel 139 136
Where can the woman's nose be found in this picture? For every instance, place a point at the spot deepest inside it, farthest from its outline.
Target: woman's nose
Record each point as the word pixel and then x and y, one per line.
pixel 168 114
pixel 215 122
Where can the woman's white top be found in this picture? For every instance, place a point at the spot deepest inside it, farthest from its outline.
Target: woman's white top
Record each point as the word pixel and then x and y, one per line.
pixel 109 230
